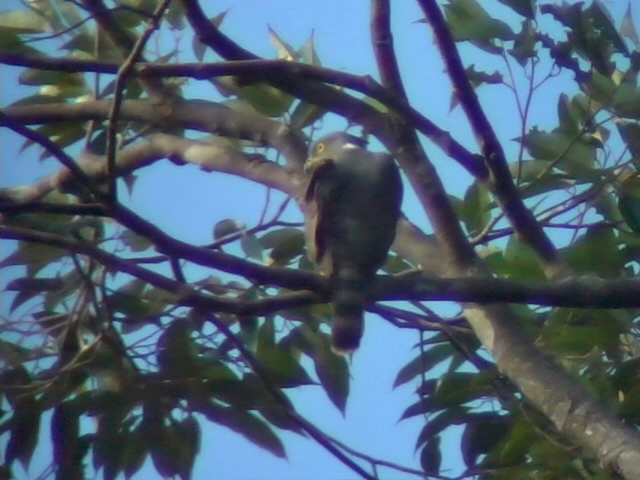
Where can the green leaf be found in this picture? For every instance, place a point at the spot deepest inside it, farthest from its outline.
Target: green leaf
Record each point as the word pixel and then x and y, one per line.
pixel 34 256
pixel 265 99
pixel 175 15
pixel 251 246
pixel 333 371
pixel 596 253
pixel 24 432
pixel 630 134
pixel 424 362
pixel 128 299
pixel 627 27
pixel 29 287
pixel 176 351
pixel 135 452
pixel 629 206
pixel 23 21
pixel 591 33
pixel 524 45
pixel 304 115
pixel 599 19
pixel 34 76
pixel 283 367
pixel 107 446
pixel 307 52
pixel 476 208
pixel 568 117
pixel 520 262
pixel 200 48
pixel 431 456
pixel 452 390
pixel 62 134
pixel 573 153
pixel 290 245
pixel 275 237
pixel 188 436
pixel 376 104
pixel 514 445
pixel 279 360
pixel 227 227
pixel 12 354
pixel 576 332
pixel 476 78
pixel 136 242
pixel 284 51
pixel 246 424
pixel 467 20
pixel 526 8
pixel 626 100
pixel 481 434
pixel 440 421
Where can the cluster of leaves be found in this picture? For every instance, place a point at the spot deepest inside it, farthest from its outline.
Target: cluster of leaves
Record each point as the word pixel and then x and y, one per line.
pixel 126 356
pixel 571 176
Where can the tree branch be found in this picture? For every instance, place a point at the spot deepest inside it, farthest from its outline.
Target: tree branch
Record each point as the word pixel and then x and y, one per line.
pixel 272 70
pixel 382 39
pixel 198 115
pixel 500 182
pixel 187 295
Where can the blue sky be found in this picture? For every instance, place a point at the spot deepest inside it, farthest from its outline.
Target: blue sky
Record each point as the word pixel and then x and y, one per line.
pixel 187 202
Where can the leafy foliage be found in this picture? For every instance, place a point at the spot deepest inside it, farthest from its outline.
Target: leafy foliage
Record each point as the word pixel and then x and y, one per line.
pixel 110 322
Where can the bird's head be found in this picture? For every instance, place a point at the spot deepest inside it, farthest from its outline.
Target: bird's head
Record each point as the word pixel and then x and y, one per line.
pixel 331 147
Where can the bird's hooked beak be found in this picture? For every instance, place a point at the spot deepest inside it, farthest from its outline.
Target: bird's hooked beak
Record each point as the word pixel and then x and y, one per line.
pixel 312 163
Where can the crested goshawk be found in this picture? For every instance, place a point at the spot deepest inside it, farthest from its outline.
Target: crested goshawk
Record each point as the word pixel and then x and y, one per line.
pixel 353 205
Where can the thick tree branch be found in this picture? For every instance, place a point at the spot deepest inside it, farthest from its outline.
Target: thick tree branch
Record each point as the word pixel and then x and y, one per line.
pixel 382 40
pixel 273 71
pixel 186 295
pixel 198 115
pixel 582 292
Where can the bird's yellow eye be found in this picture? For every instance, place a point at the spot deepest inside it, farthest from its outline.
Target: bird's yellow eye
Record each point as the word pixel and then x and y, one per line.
pixel 320 147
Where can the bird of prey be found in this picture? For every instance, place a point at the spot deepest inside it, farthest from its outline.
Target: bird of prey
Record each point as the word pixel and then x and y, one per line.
pixel 353 205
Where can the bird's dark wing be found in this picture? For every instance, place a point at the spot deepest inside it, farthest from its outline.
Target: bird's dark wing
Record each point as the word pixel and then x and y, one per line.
pixel 391 173
pixel 319 196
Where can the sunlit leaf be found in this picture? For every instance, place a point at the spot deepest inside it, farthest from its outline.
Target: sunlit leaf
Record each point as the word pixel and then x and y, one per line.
pixel 467 20
pixel 23 21
pixel 476 209
pixel 627 27
pixel 284 51
pixel 308 52
pixel 572 153
pixel 290 244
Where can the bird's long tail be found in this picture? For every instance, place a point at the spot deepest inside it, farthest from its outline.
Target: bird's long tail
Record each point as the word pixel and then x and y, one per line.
pixel 348 310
